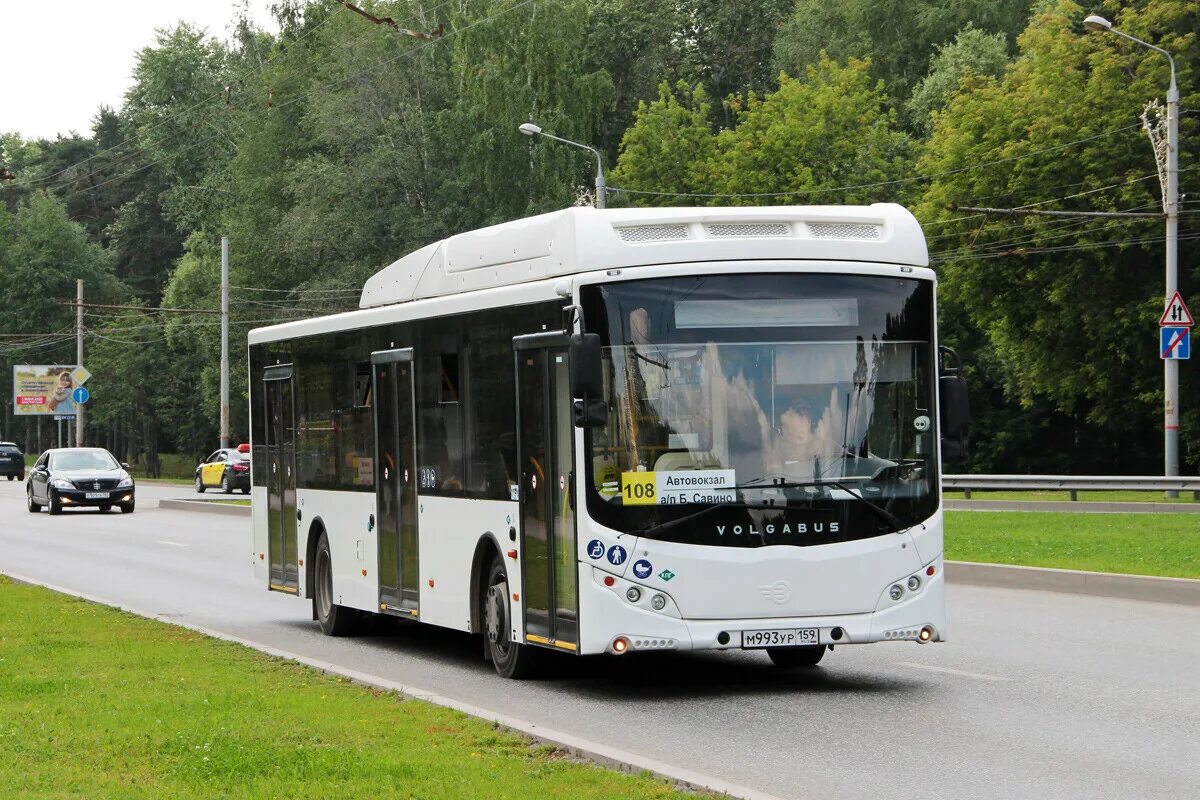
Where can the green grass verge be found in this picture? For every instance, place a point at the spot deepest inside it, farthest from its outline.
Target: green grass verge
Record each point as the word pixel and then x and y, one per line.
pixel 97 703
pixel 1093 496
pixel 1166 545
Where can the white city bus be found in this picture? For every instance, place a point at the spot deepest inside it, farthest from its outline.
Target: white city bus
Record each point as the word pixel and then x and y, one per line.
pixel 608 431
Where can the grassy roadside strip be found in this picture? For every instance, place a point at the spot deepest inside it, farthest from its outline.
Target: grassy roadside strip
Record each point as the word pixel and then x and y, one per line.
pixel 98 703
pixel 1165 545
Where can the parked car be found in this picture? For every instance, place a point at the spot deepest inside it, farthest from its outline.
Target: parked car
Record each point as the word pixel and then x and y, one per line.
pixel 71 477
pixel 227 469
pixel 12 461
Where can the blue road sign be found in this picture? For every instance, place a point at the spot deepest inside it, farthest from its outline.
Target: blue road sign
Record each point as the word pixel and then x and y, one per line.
pixel 1175 343
pixel 80 395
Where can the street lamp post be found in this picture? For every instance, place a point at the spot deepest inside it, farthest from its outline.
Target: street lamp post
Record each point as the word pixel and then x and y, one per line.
pixel 1171 208
pixel 529 129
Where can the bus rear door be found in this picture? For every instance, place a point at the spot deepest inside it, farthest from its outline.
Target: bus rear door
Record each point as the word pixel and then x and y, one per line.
pixel 279 398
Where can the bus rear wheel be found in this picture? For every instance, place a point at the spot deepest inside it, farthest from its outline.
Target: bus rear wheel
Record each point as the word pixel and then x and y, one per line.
pixel 511 659
pixel 335 620
pixel 793 657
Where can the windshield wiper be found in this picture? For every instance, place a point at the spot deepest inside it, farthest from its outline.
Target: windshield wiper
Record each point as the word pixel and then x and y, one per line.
pixel 887 516
pixel 879 511
pixel 671 523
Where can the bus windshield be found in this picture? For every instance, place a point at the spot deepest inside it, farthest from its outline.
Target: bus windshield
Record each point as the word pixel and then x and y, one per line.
pixel 786 401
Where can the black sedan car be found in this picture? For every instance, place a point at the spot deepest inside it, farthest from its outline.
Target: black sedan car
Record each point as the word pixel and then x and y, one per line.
pixel 12 461
pixel 79 476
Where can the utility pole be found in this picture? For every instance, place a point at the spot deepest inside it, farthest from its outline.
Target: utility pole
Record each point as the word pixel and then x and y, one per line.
pixel 224 341
pixel 1171 206
pixel 79 356
pixel 1167 162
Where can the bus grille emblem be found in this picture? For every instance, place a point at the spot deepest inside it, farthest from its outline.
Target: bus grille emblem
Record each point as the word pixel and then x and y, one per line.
pixel 778 592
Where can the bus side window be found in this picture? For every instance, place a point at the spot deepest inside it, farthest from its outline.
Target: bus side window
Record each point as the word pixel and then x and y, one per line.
pixel 362 385
pixel 440 463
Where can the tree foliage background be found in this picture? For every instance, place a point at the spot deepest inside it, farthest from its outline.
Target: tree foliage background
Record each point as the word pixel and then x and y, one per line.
pixel 331 147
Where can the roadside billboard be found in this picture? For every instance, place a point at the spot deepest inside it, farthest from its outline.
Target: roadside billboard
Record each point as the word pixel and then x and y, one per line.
pixel 44 389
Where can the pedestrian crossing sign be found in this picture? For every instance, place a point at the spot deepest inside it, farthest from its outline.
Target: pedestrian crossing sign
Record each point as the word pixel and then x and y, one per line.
pixel 1175 343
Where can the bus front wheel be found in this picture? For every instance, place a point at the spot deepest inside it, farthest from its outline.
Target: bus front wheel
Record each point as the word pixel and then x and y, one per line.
pixel 792 657
pixel 335 620
pixel 511 659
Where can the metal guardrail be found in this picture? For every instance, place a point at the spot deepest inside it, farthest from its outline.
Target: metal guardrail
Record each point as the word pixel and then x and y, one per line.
pixel 1072 483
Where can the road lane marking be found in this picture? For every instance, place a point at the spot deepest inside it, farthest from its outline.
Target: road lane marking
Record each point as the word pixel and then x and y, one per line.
pixel 948 671
pixel 173 544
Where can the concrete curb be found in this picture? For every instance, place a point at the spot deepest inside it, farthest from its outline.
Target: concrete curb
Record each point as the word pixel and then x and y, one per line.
pixel 601 754
pixel 1079 507
pixel 1181 591
pixel 207 506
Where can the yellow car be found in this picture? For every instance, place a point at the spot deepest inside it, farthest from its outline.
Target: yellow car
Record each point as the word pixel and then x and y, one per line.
pixel 226 469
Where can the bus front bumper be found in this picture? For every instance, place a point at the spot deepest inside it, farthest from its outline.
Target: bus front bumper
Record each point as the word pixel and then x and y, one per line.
pixel 635 627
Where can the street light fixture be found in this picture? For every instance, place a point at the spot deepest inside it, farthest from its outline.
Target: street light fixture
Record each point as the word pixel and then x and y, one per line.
pixel 1171 208
pixel 529 129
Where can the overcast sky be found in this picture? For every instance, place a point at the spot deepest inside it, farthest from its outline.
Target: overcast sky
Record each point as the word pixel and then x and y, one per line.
pixel 60 60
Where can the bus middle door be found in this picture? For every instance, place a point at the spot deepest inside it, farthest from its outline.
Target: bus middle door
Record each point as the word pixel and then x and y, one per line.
pixel 396 481
pixel 544 452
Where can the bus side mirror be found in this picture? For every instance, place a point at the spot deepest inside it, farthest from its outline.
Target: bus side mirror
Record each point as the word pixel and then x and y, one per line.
pixel 587 381
pixel 955 417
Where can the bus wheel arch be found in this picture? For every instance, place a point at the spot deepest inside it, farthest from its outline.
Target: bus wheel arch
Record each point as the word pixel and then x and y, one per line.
pixel 486 549
pixel 316 529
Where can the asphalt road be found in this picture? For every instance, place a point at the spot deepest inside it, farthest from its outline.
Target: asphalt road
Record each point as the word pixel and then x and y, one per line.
pixel 1037 695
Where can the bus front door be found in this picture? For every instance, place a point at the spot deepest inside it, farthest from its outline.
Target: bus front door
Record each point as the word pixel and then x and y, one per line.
pixel 396 481
pixel 544 444
pixel 280 414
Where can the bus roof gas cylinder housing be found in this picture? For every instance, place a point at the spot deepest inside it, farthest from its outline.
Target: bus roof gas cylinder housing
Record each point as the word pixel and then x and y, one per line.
pixel 578 240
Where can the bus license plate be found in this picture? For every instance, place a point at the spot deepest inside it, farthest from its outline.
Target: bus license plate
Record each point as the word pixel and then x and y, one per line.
pixel 785 637
pixel 96 495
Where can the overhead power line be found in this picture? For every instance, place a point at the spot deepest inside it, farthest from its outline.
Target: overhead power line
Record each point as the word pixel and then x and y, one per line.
pixel 1037 212
pixel 139 308
pixel 896 182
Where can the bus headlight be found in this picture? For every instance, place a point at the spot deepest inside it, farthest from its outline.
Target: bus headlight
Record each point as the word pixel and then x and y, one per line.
pixel 658 602
pixel 633 594
pixel 914 583
pixel 896 592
